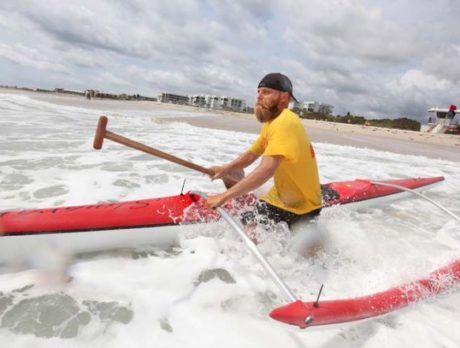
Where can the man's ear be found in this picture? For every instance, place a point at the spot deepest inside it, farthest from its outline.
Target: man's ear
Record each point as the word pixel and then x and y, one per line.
pixel 285 98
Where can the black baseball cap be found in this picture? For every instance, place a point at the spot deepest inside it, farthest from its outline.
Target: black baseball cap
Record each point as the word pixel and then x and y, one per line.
pixel 279 82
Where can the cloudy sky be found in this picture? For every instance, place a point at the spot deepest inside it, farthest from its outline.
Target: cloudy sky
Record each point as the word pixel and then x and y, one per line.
pixel 375 58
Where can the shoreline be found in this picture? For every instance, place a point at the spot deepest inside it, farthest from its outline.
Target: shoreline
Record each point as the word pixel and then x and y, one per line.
pixel 439 146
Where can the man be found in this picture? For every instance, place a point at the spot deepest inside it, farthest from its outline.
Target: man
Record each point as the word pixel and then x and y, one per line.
pixel 451 113
pixel 287 155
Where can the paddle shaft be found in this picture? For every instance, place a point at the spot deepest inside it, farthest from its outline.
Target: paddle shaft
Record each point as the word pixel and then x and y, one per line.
pixel 155 152
pixel 102 132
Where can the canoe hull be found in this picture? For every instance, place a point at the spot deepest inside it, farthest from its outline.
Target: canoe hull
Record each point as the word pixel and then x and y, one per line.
pixel 153 221
pixel 19 247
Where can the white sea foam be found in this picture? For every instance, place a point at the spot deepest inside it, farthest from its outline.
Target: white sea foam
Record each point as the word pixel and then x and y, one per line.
pixel 210 289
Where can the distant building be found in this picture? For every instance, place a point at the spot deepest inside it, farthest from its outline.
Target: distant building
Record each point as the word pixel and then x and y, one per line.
pixel 237 104
pixel 223 102
pixel 232 103
pixel 67 91
pixel 314 106
pixel 325 109
pixel 296 105
pixel 212 101
pixel 310 106
pixel 198 100
pixel 206 101
pixel 173 98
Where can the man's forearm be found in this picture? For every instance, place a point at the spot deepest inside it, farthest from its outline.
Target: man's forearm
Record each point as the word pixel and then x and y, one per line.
pixel 242 161
pixel 259 176
pixel 255 179
pixel 249 183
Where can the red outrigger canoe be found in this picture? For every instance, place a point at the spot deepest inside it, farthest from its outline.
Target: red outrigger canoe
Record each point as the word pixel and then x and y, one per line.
pixel 156 221
pixel 176 210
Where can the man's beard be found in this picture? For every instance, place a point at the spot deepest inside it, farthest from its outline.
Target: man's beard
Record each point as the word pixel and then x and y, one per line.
pixel 265 113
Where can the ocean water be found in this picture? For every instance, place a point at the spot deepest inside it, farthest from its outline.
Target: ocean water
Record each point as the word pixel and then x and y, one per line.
pixel 208 289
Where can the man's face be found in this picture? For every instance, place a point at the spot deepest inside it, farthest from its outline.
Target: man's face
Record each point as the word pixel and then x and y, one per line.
pixel 267 104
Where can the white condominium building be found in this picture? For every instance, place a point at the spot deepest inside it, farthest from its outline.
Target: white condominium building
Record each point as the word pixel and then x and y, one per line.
pixel 215 102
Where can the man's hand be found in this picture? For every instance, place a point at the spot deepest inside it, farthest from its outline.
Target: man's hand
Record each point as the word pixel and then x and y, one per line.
pixel 229 176
pixel 215 201
pixel 219 172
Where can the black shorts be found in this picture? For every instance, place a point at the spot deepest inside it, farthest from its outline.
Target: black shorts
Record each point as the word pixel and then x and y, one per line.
pixel 267 214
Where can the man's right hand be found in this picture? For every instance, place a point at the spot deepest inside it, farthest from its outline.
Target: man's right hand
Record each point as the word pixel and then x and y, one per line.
pixel 215 200
pixel 219 172
pixel 229 176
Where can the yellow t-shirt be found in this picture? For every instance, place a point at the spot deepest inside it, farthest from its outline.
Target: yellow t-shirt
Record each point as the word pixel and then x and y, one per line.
pixel 297 187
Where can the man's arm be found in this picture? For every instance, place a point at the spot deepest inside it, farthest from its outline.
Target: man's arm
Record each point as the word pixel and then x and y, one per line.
pixel 256 178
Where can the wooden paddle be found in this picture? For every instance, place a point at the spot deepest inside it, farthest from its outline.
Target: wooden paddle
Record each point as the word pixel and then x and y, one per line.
pixel 102 133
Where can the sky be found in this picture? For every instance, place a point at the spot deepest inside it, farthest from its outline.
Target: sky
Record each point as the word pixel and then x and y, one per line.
pixel 373 58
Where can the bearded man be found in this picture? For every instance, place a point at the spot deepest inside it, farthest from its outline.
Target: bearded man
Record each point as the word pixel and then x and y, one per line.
pixel 287 156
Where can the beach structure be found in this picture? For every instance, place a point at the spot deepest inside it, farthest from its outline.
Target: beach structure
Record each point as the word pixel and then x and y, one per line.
pixel 442 120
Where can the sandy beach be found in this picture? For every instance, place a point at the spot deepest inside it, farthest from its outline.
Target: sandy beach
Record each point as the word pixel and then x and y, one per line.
pixel 439 146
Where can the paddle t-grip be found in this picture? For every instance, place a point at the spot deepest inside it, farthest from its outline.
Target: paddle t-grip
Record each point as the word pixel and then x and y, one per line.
pixel 100 132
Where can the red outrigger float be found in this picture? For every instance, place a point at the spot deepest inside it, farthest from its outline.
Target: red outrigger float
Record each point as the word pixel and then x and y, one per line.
pixel 306 314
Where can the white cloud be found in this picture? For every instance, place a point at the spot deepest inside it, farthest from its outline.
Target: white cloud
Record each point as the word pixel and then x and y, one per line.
pixel 369 57
pixel 444 64
pixel 351 30
pixel 107 77
pixel 418 79
pixel 166 80
pixel 30 57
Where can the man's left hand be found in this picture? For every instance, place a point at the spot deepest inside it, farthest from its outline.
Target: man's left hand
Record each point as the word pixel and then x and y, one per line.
pixel 215 201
